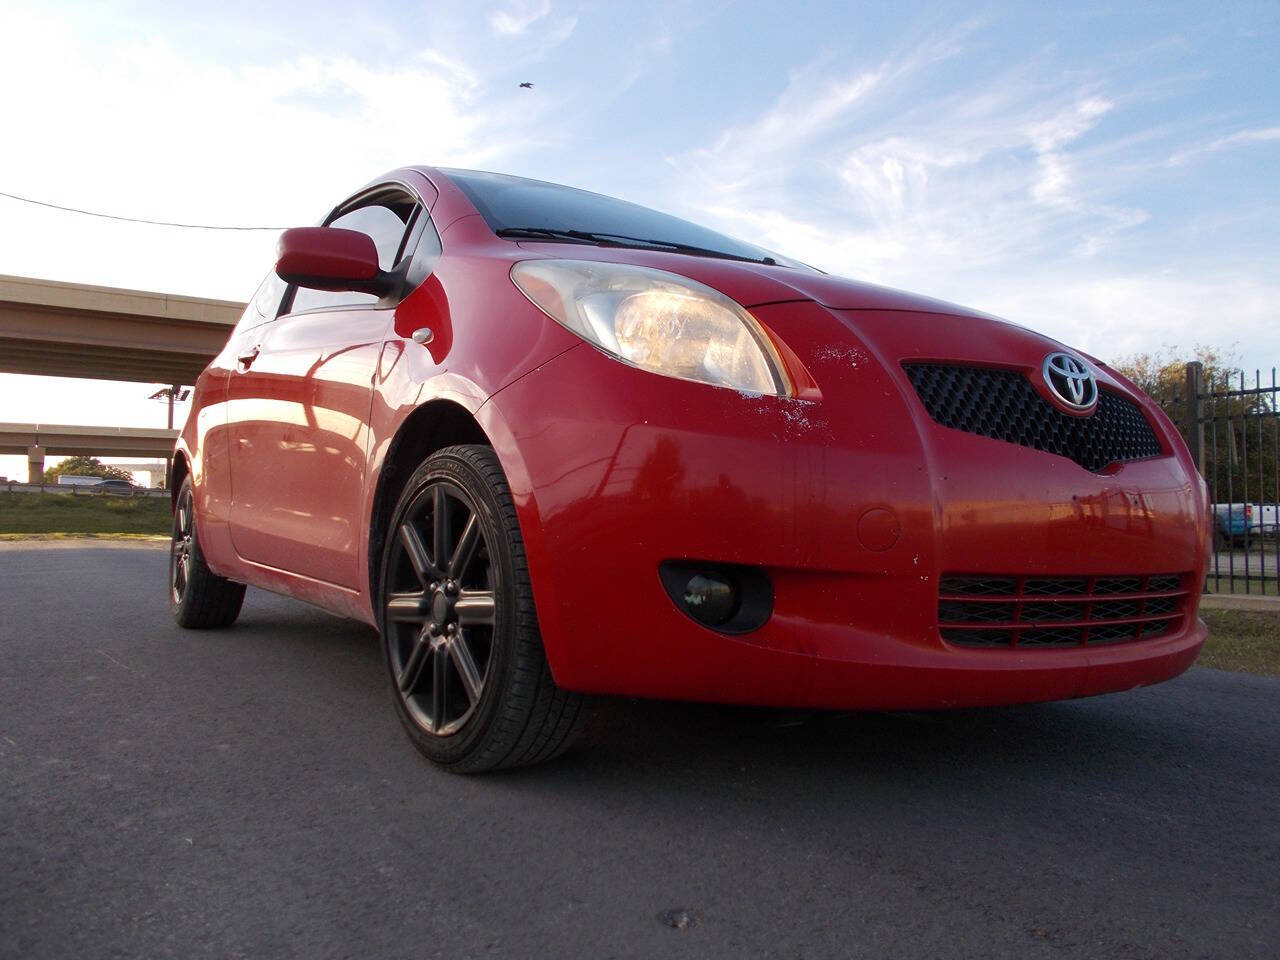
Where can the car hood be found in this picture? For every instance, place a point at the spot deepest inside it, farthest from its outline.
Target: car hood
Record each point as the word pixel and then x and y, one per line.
pixel 754 284
pixel 841 293
pixel 900 324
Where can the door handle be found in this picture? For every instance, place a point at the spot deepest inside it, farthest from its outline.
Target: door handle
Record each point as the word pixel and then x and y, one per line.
pixel 245 360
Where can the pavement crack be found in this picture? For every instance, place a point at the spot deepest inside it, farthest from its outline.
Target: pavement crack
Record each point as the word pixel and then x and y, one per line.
pixel 122 666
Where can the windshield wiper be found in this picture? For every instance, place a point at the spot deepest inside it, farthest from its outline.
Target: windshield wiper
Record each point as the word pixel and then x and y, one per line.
pixel 622 240
pixel 545 233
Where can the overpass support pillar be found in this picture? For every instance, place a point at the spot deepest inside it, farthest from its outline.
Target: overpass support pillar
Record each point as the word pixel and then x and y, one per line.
pixel 35 464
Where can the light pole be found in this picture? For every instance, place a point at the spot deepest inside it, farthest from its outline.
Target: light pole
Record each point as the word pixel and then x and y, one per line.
pixel 171 394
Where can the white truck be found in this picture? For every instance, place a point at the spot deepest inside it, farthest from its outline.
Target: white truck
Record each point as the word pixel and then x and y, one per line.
pixel 1263 520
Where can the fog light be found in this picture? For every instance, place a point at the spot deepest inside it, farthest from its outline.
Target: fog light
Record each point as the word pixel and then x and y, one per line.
pixel 726 597
pixel 710 599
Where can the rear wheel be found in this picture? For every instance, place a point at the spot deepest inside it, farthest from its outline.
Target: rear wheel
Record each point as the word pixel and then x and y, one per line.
pixel 198 598
pixel 467 669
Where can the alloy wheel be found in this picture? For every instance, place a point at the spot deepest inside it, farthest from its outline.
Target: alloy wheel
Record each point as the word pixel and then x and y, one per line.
pixel 181 546
pixel 441 608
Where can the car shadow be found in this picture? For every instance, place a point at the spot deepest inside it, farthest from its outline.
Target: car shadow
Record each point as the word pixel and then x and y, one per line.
pixel 279 621
pixel 1155 734
pixel 1077 735
pixel 993 762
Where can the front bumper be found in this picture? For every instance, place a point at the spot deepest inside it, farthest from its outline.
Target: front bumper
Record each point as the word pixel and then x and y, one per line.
pixel 853 503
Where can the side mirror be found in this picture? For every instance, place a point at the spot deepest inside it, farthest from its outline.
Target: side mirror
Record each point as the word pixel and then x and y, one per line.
pixel 330 258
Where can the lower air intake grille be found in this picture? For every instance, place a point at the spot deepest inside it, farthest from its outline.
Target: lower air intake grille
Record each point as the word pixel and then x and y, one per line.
pixel 1003 405
pixel 1043 612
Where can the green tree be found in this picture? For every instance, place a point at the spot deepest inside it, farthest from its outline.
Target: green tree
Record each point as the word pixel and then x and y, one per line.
pixel 1240 432
pixel 1163 375
pixel 85 467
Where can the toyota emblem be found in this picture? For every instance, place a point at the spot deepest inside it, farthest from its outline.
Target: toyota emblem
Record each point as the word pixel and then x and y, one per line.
pixel 1071 382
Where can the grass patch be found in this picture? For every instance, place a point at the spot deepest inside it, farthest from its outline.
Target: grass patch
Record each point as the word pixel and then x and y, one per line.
pixel 1242 640
pixel 60 513
pixel 1257 586
pixel 81 537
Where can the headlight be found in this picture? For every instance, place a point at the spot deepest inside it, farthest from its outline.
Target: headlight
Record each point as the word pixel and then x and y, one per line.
pixel 656 321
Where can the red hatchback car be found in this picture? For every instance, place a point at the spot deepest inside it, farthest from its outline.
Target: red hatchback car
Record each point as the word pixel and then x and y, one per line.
pixel 554 444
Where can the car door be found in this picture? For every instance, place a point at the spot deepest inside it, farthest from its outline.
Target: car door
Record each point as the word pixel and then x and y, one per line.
pixel 214 492
pixel 299 400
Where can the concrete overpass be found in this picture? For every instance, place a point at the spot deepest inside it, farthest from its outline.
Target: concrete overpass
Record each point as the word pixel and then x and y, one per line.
pixel 57 329
pixel 48 328
pixel 38 440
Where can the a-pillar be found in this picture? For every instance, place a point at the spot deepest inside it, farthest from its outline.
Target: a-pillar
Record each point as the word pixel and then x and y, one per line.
pixel 35 464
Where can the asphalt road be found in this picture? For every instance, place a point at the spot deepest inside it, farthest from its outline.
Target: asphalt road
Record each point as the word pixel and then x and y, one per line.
pixel 249 794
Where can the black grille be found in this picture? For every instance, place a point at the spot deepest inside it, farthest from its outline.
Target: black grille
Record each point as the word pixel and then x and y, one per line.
pixel 1041 612
pixel 1127 585
pixel 1009 611
pixel 1003 405
pixel 980 586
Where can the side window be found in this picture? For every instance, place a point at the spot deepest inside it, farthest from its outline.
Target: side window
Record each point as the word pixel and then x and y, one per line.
pixel 265 303
pixel 386 222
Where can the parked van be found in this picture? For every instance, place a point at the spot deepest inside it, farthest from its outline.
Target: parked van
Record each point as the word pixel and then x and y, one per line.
pixel 1231 522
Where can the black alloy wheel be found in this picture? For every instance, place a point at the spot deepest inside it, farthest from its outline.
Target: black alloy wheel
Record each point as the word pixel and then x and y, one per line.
pixel 180 548
pixel 470 678
pixel 440 610
pixel 198 598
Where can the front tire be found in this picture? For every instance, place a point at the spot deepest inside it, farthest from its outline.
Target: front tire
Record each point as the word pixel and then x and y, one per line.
pixel 468 673
pixel 199 599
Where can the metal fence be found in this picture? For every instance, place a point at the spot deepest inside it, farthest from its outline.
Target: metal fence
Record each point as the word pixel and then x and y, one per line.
pixel 1231 423
pixel 76 490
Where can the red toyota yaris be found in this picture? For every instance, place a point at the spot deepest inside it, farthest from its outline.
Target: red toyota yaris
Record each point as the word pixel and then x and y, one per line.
pixel 554 444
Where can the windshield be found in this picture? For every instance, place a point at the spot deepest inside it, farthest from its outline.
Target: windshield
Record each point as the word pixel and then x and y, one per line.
pixel 514 204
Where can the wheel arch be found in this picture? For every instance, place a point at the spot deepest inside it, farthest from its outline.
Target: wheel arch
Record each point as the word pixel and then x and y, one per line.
pixel 178 472
pixel 441 423
pixel 433 426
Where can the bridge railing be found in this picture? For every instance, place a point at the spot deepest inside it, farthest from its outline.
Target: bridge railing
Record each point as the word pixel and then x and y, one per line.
pixel 76 490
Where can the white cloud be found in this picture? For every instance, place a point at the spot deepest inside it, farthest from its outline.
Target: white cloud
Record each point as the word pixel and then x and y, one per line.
pixel 149 130
pixel 562 31
pixel 1113 314
pixel 1053 185
pixel 989 194
pixel 1240 138
pixel 518 16
pixel 1068 125
pixel 813 107
pixel 975 178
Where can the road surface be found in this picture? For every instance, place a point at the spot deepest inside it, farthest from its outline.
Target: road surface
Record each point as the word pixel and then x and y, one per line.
pixel 249 793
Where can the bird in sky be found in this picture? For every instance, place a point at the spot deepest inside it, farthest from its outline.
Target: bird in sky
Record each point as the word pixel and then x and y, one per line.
pixel 526 85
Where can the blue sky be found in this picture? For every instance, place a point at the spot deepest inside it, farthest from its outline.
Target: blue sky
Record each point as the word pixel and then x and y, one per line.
pixel 1107 175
